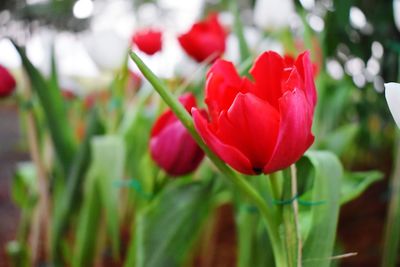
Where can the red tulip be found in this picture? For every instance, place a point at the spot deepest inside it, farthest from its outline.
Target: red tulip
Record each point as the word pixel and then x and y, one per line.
pixel 264 125
pixel 148 41
pixel 7 82
pixel 206 39
pixel 171 145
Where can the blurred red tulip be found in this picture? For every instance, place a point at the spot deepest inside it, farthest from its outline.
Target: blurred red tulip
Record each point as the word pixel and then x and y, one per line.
pixel 171 145
pixel 205 40
pixel 68 95
pixel 94 97
pixel 148 41
pixel 264 125
pixel 7 82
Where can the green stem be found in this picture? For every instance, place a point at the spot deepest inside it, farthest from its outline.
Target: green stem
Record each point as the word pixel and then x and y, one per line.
pixel 271 223
pixel 276 185
pixel 290 219
pixel 392 229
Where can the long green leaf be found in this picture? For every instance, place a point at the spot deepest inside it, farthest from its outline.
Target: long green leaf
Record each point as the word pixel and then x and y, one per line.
pixel 326 173
pixel 87 229
pixel 107 168
pixel 100 195
pixel 56 117
pixel 167 230
pixel 73 192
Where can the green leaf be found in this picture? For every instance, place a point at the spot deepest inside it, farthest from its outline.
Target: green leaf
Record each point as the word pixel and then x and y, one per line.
pixel 87 229
pixel 254 247
pixel 326 173
pixel 101 194
pixel 53 105
pixel 24 183
pixel 166 231
pixel 340 139
pixel 107 168
pixel 72 194
pixel 355 183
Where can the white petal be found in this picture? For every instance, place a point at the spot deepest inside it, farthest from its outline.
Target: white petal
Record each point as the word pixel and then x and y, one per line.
pixel 273 14
pixel 392 93
pixel 396 13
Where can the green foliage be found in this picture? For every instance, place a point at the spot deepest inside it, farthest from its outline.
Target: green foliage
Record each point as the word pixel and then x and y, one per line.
pixel 355 183
pixel 167 230
pixel 100 200
pixel 322 219
pixel 73 189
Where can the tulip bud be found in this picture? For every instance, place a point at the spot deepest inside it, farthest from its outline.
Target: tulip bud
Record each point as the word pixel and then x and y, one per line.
pixel 7 82
pixel 205 40
pixel 148 41
pixel 171 145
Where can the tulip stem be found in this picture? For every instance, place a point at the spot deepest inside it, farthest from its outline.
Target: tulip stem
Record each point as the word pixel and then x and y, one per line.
pixel 272 223
pixel 295 205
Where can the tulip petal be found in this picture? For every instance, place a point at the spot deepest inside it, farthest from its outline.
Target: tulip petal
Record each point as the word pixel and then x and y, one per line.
pixel 267 72
pixel 166 118
pixel 205 39
pixel 232 156
pixel 392 94
pixel 294 136
pixel 187 100
pixel 251 125
pixel 181 157
pixel 223 84
pixel 306 69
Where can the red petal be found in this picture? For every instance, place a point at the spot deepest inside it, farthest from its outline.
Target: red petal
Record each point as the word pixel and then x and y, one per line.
pixel 306 69
pixel 180 158
pixel 227 153
pixel 187 100
pixel 205 38
pixel 223 84
pixel 295 135
pixel 166 118
pixel 267 72
pixel 251 125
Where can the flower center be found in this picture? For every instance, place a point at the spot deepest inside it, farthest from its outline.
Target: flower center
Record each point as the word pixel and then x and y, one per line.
pixel 257 170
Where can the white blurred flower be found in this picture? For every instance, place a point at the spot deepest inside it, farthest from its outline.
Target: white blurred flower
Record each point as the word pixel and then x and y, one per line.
pixel 181 14
pixel 396 13
pixel 72 58
pixel 38 50
pixel 392 94
pixel 116 15
pixel 273 14
pixel 107 49
pixel 9 55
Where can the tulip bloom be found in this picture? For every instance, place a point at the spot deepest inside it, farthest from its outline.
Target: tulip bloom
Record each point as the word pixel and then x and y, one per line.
pixel 148 41
pixel 206 39
pixel 261 125
pixel 392 94
pixel 7 82
pixel 171 145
